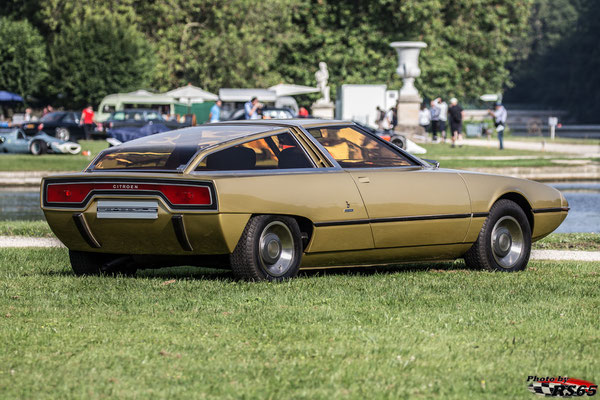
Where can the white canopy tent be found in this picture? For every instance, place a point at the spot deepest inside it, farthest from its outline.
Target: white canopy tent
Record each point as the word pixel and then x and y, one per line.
pixel 191 94
pixel 243 95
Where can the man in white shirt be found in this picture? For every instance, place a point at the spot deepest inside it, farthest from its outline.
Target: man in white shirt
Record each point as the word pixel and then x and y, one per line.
pixel 500 116
pixel 441 104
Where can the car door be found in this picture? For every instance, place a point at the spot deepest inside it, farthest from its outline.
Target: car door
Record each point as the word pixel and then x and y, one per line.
pixel 21 144
pixel 407 204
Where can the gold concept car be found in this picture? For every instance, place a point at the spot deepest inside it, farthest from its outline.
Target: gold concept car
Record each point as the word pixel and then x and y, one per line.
pixel 268 198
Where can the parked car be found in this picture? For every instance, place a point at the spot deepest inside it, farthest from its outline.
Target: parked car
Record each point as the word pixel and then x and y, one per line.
pixel 136 118
pixel 391 136
pixel 63 125
pixel 267 198
pixel 269 112
pixel 14 140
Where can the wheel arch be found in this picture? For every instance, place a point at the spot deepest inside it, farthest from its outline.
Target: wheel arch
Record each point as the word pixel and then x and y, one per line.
pixel 522 202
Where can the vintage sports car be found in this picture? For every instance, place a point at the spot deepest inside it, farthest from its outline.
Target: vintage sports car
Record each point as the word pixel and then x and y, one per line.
pixel 268 198
pixel 14 140
pixel 63 125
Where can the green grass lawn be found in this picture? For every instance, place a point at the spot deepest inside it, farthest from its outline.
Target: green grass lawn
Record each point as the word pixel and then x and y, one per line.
pixel 52 162
pixel 459 157
pixel 415 331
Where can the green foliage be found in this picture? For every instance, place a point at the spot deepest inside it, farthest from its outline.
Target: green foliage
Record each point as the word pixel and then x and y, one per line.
pixel 22 53
pixel 240 43
pixel 96 56
pixel 561 58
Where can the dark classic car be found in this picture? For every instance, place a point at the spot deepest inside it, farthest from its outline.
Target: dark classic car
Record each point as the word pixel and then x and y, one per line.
pixel 137 118
pixel 62 125
pixel 267 198
pixel 14 140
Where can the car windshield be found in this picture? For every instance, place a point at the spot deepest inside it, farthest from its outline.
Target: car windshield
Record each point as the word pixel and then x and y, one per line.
pixel 170 151
pixel 51 117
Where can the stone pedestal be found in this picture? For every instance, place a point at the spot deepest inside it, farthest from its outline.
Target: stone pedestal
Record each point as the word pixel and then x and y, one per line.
pixel 408 110
pixel 323 110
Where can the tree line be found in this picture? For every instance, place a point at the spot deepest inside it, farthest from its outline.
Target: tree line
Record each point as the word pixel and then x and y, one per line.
pixel 71 53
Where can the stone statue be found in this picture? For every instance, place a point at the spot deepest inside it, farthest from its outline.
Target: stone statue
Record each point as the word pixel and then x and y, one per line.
pixel 322 76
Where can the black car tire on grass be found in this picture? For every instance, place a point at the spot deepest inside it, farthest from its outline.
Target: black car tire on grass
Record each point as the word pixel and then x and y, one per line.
pixel 270 249
pixel 37 147
pixel 504 242
pixel 399 141
pixel 87 263
pixel 62 133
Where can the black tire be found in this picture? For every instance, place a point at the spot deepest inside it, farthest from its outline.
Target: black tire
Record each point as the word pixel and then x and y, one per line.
pixel 504 242
pixel 87 263
pixel 62 133
pixel 38 147
pixel 270 249
pixel 399 141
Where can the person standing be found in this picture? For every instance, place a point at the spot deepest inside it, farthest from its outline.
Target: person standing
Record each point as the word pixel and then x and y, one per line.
pixel 87 120
pixel 251 109
pixel 500 116
pixel 443 117
pixel 456 116
pixel 215 112
pixel 380 117
pixel 434 111
pixel 424 118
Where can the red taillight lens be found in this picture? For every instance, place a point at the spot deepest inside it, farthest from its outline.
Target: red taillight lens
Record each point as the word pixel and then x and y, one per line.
pixel 40 127
pixel 176 194
pixel 182 195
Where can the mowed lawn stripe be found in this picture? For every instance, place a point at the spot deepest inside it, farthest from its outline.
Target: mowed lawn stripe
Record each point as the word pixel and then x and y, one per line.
pixel 424 330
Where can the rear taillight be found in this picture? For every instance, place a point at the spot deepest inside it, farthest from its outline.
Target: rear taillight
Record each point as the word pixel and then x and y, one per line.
pixel 40 127
pixel 175 194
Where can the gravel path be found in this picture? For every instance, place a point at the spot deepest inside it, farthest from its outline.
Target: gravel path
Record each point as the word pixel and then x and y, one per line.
pixel 24 241
pixel 558 255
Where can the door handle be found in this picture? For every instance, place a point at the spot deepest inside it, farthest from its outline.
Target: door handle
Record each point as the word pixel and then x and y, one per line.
pixel 364 179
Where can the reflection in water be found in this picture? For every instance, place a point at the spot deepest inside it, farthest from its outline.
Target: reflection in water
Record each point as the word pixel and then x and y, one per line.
pixel 20 203
pixel 584 200
pixel 583 197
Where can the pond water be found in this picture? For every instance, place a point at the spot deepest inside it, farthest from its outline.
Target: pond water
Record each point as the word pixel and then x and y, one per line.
pixel 583 197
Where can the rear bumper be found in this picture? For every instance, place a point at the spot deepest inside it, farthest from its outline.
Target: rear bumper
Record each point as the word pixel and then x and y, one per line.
pixel 168 234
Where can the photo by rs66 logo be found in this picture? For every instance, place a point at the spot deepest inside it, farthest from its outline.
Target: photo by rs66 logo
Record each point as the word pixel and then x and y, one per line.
pixel 560 386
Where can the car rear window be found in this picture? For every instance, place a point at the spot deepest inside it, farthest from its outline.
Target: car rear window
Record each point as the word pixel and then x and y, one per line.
pixel 169 151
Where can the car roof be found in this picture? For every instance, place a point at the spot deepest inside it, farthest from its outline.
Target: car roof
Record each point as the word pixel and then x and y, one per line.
pixel 284 123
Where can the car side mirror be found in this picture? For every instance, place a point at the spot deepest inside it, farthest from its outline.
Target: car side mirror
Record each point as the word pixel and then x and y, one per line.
pixel 434 163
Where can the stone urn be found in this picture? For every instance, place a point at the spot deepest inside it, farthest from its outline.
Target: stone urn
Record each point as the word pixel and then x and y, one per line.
pixel 409 100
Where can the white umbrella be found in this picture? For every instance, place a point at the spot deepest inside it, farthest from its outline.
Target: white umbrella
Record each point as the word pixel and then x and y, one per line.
pixel 285 89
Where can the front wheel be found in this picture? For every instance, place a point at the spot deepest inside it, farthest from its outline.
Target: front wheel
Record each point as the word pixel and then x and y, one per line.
pixel 504 242
pixel 270 249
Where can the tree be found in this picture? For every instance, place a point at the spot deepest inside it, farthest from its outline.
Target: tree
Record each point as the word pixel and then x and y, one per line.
pixel 23 55
pixel 98 55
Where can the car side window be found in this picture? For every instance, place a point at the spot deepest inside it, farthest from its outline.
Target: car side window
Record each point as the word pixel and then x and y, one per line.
pixel 68 118
pixel 119 116
pixel 20 136
pixel 273 152
pixel 354 149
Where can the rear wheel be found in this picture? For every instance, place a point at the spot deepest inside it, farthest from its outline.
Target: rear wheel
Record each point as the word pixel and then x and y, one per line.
pixel 38 147
pixel 62 134
pixel 504 242
pixel 399 141
pixel 270 249
pixel 87 263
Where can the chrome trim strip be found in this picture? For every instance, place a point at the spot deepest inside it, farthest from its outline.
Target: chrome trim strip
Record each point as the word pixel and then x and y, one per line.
pixel 180 232
pixel 84 230
pixel 127 209
pixel 480 214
